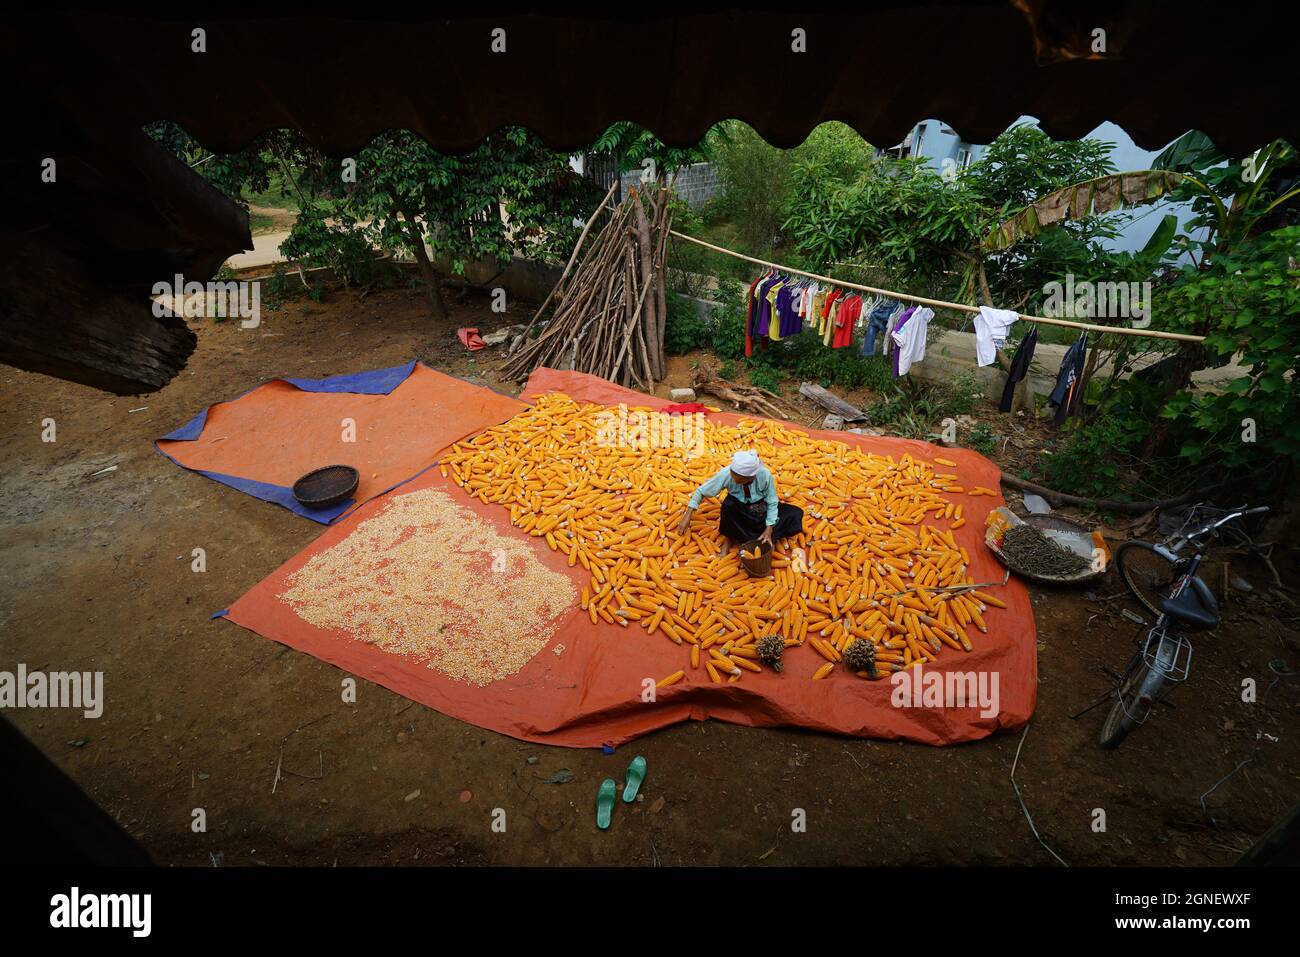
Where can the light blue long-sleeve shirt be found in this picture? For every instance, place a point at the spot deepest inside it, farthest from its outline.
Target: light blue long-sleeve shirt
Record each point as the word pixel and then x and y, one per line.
pixel 762 488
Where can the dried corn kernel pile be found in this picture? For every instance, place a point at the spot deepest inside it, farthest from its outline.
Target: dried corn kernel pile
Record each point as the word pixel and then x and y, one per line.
pixel 871 564
pixel 415 579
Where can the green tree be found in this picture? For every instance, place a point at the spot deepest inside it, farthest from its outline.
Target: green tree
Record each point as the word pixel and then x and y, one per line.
pixel 1244 206
pixel 632 146
pixel 510 194
pixel 757 186
pixel 908 223
pixel 249 170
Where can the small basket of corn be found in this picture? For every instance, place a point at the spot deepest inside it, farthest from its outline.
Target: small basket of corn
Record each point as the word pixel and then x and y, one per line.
pixel 756 558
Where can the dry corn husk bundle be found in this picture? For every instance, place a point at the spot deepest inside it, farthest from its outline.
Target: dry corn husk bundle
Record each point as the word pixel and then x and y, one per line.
pixel 872 564
pixel 610 311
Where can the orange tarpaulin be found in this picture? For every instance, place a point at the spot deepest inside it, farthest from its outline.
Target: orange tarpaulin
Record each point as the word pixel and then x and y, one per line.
pixel 266 439
pixel 592 692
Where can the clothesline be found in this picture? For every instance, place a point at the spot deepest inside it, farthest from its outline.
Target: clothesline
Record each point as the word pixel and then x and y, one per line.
pixel 939 303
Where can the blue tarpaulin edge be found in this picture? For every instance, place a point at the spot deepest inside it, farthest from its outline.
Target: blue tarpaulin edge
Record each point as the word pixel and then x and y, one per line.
pixel 372 382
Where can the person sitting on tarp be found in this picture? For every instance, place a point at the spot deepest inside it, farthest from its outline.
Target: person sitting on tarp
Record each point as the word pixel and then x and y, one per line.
pixel 751 510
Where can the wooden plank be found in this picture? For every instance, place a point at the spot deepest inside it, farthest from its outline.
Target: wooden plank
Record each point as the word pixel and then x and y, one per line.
pixel 831 403
pixel 58 320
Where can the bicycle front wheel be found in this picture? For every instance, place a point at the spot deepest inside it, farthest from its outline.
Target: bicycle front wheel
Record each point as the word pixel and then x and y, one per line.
pixel 1130 708
pixel 1146 573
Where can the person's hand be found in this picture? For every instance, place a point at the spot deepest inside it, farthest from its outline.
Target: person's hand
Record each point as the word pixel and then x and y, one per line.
pixel 685 524
pixel 767 534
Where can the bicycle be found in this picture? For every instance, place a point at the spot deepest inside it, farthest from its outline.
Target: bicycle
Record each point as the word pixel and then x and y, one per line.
pixel 1149 570
pixel 1166 584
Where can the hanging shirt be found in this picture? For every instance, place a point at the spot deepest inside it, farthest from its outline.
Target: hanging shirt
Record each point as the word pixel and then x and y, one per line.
pixel 1065 395
pixel 761 489
pixel 765 306
pixel 836 317
pixel 991 327
pixel 815 312
pixel 810 303
pixel 790 323
pixel 896 323
pixel 1019 368
pixel 773 312
pixel 910 339
pixel 760 307
pixel 780 304
pixel 848 318
pixel 828 309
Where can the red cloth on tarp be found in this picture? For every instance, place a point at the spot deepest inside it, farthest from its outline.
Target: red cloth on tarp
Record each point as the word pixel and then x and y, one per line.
pixel 685 407
pixel 472 340
pixel 591 693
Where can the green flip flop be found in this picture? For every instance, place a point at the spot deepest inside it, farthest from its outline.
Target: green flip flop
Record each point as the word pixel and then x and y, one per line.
pixel 605 803
pixel 635 775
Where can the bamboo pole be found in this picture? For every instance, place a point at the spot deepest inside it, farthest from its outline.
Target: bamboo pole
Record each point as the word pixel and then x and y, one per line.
pixel 939 303
pixel 608 308
pixel 574 255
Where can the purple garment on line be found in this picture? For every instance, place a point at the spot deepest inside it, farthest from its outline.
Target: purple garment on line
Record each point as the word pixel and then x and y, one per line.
pixel 902 320
pixel 795 324
pixel 785 310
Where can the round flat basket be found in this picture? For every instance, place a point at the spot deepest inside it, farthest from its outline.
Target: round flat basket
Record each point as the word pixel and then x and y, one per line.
pixel 1047 524
pixel 327 486
pixel 761 566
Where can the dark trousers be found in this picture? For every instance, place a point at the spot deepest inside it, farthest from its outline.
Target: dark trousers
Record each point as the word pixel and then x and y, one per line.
pixel 744 523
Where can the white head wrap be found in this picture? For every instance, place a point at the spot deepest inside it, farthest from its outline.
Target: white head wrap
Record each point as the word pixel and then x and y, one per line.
pixel 745 462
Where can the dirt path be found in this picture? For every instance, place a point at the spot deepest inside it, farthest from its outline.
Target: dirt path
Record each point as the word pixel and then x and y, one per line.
pixel 199 712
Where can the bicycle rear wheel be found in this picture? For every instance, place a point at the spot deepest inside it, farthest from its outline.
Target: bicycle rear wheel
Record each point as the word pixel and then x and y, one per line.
pixel 1129 709
pixel 1146 573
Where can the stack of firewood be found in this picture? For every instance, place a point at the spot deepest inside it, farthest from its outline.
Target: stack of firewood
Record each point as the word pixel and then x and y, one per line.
pixel 608 312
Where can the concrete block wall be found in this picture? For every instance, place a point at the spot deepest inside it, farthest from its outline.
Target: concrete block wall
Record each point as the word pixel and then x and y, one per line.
pixel 696 184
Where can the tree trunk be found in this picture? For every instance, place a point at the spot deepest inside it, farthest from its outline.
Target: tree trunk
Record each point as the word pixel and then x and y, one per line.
pixel 647 272
pixel 437 307
pixel 1180 377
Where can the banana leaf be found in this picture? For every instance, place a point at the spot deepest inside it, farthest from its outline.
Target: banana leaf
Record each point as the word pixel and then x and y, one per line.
pixel 1191 151
pixel 1154 251
pixel 1089 198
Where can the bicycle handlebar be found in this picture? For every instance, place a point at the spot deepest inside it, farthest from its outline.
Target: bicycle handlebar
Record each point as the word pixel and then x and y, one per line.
pixel 1231 516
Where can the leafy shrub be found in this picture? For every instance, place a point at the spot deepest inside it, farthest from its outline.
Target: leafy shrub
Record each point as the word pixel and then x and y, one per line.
pixel 279 287
pixel 982 439
pixel 727 329
pixel 1092 458
pixel 684 328
pixel 962 394
pixel 765 376
pixel 342 246
pixel 912 408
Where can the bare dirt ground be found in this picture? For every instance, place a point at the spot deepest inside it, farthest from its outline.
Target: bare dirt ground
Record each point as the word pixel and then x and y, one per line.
pixel 200 713
pixel 281 220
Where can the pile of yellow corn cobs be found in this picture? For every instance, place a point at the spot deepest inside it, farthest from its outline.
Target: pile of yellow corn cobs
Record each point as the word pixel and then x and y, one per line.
pixel 870 565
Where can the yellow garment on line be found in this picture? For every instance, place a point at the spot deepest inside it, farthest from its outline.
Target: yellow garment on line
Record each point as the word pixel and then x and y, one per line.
pixel 774 323
pixel 819 300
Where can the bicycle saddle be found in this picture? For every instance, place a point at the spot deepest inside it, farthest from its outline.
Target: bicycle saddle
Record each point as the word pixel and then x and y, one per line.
pixel 1195 608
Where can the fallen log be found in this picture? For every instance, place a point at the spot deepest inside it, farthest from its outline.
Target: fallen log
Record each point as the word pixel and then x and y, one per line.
pixel 1101 504
pixel 747 397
